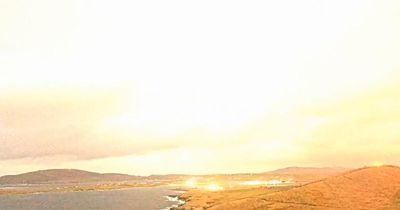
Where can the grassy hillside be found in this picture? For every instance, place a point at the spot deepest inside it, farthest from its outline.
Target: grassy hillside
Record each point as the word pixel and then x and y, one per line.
pixel 365 188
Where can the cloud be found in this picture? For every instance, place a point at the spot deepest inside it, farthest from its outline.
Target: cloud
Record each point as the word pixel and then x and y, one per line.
pixel 356 129
pixel 230 82
pixel 58 122
pixel 72 127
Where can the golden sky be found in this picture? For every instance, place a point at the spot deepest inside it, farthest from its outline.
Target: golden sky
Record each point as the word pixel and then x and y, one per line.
pixel 154 87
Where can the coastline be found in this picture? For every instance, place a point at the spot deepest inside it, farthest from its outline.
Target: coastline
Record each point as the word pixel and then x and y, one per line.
pixel 81 187
pixel 177 197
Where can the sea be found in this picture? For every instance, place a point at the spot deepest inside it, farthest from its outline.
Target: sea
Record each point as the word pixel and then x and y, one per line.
pixel 143 198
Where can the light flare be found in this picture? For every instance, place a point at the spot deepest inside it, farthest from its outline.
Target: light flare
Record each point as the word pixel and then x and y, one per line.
pixel 191 183
pixel 214 187
pixel 378 163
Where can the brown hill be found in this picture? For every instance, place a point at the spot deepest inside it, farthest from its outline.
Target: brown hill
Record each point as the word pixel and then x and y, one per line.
pixel 304 175
pixel 62 176
pixel 308 170
pixel 365 188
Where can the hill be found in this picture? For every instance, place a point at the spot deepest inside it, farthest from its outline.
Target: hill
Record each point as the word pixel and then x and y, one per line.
pixel 62 176
pixel 365 188
pixel 308 170
pixel 304 175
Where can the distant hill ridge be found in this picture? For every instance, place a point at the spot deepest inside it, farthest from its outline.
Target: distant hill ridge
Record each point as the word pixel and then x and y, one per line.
pixel 308 170
pixel 62 176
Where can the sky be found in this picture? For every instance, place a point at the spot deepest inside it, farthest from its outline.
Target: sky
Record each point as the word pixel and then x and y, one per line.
pixel 198 87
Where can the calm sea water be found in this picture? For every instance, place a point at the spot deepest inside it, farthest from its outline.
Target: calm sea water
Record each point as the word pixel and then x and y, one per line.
pixel 149 198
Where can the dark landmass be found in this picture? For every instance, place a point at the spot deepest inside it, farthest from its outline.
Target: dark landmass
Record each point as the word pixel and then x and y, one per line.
pixel 63 176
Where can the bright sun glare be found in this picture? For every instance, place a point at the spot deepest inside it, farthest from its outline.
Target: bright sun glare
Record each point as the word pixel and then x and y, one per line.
pixel 191 183
pixel 378 163
pixel 214 187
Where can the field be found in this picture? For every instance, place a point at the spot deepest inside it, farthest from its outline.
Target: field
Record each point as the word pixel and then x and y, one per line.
pixel 365 188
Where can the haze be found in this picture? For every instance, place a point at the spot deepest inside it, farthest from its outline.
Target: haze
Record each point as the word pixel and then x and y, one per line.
pixel 156 87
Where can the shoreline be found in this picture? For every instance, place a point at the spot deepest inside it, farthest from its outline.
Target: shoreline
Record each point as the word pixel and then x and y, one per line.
pixel 175 198
pixel 71 189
